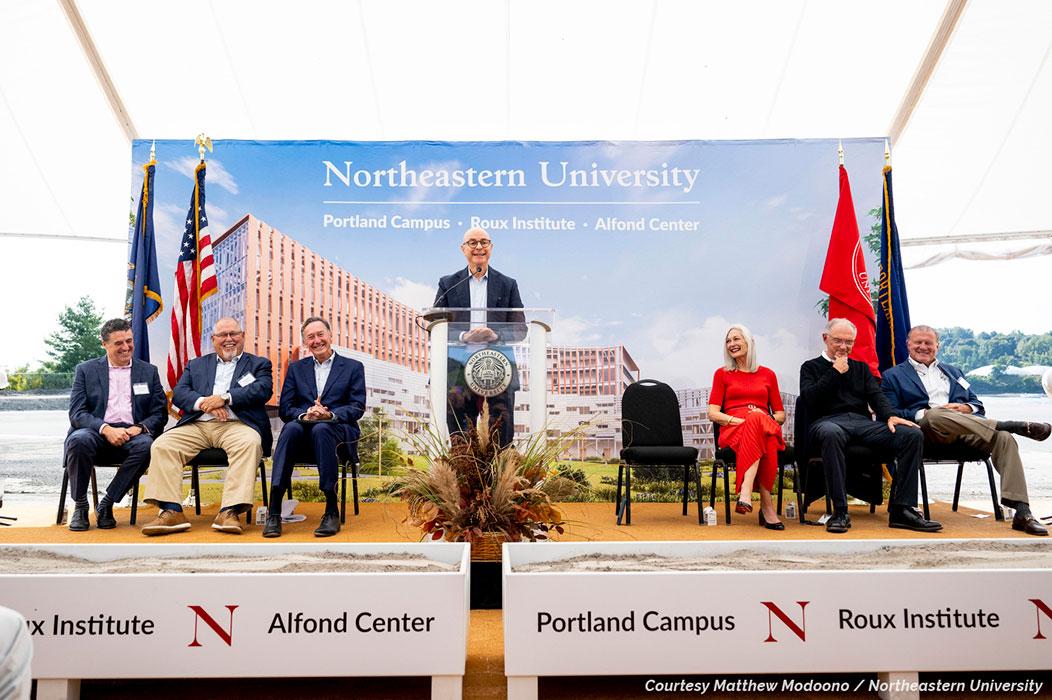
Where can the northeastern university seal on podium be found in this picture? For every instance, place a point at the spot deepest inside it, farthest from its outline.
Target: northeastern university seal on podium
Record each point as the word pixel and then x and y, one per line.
pixel 488 372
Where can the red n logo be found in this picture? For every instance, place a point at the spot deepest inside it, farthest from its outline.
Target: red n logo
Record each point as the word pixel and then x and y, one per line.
pixel 799 630
pixel 201 614
pixel 1041 608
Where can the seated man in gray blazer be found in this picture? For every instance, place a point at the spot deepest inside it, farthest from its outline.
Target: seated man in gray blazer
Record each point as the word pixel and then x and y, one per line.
pixel 223 396
pixel 116 408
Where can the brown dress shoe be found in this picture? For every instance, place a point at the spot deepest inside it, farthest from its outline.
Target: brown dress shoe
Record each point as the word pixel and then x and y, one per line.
pixel 1028 524
pixel 166 522
pixel 227 520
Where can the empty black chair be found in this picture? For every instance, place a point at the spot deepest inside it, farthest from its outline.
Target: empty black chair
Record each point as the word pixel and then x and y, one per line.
pixel 865 469
pixel 726 461
pixel 216 457
pixel 960 453
pixel 95 492
pixel 652 435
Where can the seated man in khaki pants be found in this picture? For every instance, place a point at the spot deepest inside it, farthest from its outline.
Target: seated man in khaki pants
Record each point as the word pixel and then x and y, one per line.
pixel 223 397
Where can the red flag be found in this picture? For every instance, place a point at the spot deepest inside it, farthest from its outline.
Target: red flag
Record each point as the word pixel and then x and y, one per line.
pixel 845 280
pixel 195 281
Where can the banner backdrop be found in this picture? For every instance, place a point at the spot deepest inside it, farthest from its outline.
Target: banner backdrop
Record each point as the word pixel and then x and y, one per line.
pixel 656 247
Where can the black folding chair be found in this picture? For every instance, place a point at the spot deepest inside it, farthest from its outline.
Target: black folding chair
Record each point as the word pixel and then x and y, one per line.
pixel 653 437
pixel 95 492
pixel 217 458
pixel 865 469
pixel 347 456
pixel 726 461
pixel 960 453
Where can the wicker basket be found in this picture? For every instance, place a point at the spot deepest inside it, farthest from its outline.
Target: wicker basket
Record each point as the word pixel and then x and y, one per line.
pixel 488 547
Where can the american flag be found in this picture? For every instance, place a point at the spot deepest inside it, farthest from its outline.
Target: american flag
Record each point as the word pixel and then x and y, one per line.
pixel 195 281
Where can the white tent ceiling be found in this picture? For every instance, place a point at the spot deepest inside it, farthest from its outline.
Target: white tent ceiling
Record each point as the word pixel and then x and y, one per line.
pixel 970 160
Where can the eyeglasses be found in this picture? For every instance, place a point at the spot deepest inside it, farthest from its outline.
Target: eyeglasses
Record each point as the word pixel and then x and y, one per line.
pixel 228 334
pixel 841 341
pixel 478 243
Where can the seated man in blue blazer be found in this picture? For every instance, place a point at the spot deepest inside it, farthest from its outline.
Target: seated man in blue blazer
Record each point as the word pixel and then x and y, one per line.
pixel 322 398
pixel 116 408
pixel 223 397
pixel 939 398
pixel 480 286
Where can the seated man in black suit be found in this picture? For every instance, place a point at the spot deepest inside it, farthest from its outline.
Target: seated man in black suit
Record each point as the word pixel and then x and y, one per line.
pixel 939 398
pixel 116 408
pixel 839 393
pixel 223 397
pixel 322 398
pixel 480 286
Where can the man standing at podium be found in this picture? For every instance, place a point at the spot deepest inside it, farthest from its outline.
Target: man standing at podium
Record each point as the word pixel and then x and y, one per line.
pixel 479 286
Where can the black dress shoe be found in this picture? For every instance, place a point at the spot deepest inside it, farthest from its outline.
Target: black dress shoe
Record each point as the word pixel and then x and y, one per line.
pixel 272 528
pixel 330 525
pixel 78 522
pixel 1029 429
pixel 770 526
pixel 104 518
pixel 839 523
pixel 1028 524
pixel 910 519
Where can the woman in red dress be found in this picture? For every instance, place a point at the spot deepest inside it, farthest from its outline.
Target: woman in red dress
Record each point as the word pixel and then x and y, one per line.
pixel 746 403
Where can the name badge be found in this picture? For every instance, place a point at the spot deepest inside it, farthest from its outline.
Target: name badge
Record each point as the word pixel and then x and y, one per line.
pixel 246 379
pixel 140 388
pixel 964 383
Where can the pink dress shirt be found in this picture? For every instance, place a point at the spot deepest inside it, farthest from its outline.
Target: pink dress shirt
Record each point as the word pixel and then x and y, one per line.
pixel 119 403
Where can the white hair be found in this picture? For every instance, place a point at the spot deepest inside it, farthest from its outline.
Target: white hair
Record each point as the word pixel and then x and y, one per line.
pixel 839 322
pixel 750 355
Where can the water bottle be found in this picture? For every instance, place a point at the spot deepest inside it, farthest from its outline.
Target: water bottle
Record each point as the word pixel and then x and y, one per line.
pixel 710 515
pixel 790 510
pixel 261 515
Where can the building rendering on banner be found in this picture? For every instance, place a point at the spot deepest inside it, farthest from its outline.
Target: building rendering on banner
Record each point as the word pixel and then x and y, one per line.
pixel 271 282
pixel 585 385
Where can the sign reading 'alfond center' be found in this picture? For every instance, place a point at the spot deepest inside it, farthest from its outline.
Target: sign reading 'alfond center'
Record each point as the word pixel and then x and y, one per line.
pixel 147 625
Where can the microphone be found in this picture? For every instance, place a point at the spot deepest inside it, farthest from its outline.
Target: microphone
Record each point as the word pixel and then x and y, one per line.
pixel 445 295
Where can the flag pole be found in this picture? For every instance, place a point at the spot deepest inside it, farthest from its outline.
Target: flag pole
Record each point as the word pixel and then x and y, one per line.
pixel 887 154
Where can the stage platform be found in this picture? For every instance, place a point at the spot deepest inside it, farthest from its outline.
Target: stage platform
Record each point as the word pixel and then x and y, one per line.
pixel 382 522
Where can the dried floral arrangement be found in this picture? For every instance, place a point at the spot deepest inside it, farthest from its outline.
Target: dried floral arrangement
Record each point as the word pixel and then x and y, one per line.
pixel 474 489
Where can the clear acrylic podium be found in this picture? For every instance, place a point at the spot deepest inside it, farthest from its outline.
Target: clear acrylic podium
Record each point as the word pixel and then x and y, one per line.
pixel 489 353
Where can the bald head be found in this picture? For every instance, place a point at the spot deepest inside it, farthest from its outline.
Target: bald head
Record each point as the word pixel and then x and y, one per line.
pixel 477 248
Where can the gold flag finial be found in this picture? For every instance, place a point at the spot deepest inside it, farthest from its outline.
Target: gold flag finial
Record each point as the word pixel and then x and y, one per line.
pixel 887 154
pixel 203 142
pixel 840 151
pixel 153 151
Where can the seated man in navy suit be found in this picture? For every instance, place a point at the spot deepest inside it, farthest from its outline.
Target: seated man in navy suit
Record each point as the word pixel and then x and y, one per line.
pixel 322 398
pixel 116 407
pixel 938 397
pixel 480 286
pixel 223 397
